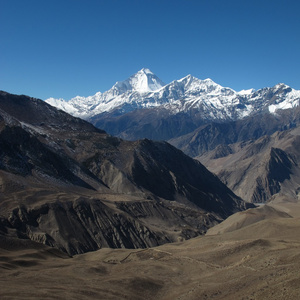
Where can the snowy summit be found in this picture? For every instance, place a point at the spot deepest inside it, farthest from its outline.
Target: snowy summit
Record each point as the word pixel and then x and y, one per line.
pixel 214 102
pixel 143 81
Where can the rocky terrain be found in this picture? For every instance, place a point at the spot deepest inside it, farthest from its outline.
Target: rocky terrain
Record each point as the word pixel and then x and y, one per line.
pixel 256 157
pixel 230 132
pixel 70 193
pixel 252 255
pixel 67 184
pixel 257 169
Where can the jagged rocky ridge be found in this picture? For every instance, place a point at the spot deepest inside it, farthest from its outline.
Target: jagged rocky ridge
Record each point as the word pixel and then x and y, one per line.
pixel 70 185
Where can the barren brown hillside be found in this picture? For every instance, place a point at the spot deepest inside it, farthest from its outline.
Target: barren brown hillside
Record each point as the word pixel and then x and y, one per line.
pixel 258 261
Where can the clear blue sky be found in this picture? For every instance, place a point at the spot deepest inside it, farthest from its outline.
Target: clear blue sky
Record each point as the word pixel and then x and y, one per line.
pixel 64 48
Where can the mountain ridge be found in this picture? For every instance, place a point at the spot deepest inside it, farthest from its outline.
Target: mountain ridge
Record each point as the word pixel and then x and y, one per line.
pixel 145 90
pixel 67 184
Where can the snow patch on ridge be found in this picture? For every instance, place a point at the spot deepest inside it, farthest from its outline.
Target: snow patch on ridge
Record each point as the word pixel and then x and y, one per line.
pixel 290 100
pixel 246 92
pixel 62 105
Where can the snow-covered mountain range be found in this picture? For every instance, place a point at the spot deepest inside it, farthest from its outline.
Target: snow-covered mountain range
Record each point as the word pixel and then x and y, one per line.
pixel 214 102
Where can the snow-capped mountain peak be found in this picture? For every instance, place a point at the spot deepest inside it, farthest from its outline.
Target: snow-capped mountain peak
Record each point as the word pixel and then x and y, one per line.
pixel 146 71
pixel 285 98
pixel 143 81
pixel 208 80
pixel 246 92
pixel 213 101
pixel 200 87
pixel 281 86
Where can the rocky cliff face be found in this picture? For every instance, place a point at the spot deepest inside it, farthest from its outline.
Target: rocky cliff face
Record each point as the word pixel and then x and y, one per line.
pixel 80 226
pixel 84 224
pixel 278 168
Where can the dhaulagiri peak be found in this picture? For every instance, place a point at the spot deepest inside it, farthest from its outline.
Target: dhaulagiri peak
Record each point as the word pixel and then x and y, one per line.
pixel 143 81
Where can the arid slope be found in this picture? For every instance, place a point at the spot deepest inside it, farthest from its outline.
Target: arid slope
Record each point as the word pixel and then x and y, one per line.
pixel 258 169
pixel 259 260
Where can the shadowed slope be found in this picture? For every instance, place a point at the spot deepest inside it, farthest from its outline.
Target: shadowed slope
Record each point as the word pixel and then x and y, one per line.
pixel 72 186
pixel 256 170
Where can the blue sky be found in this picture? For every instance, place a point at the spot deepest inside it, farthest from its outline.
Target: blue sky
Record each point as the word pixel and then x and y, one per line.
pixel 79 47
